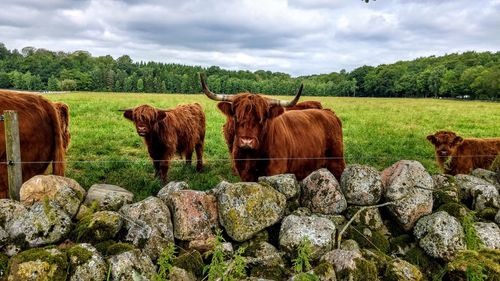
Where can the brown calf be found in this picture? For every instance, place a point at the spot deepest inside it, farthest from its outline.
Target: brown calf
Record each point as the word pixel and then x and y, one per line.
pixel 456 155
pixel 180 130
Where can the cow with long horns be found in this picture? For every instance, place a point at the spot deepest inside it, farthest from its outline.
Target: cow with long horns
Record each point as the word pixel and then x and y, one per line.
pixel 166 132
pixel 269 140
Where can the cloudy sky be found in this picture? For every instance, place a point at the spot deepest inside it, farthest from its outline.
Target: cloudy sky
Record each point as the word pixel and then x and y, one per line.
pixel 299 37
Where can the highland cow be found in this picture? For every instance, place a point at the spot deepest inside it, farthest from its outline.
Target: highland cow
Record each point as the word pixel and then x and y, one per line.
pixel 180 130
pixel 456 155
pixel 41 135
pixel 269 140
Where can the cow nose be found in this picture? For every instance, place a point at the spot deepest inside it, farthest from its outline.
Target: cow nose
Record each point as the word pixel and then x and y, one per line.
pixel 246 142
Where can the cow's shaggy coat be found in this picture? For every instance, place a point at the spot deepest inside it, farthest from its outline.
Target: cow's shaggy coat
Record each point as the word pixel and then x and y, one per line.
pixel 40 134
pixel 180 130
pixel 456 155
pixel 269 140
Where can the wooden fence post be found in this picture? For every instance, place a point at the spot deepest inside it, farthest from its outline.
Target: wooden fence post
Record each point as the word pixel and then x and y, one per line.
pixel 13 149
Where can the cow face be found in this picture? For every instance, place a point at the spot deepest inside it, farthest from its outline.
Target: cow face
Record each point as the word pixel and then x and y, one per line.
pixel 249 114
pixel 445 143
pixel 144 118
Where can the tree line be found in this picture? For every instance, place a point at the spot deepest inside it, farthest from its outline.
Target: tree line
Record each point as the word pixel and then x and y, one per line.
pixel 474 75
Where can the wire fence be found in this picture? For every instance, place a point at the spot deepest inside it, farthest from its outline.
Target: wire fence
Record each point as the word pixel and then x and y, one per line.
pixel 386 157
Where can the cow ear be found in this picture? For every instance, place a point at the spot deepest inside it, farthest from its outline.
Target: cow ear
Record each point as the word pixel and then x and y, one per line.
pixel 128 114
pixel 226 108
pixel 431 138
pixel 161 115
pixel 457 140
pixel 275 111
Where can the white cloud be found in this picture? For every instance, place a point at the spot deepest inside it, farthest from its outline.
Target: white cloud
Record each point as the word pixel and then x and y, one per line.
pixel 294 36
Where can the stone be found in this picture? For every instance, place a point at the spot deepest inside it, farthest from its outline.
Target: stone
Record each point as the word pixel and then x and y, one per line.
pixel 401 270
pixel 484 196
pixel 194 214
pixel 108 197
pixel 361 185
pixel 350 265
pixel 191 261
pixel 466 182
pixel 489 234
pixel 319 231
pixel 171 187
pixel 39 264
pixel 10 210
pixel 148 226
pixel 497 217
pixel 321 193
pixel 247 208
pixel 180 274
pixel 486 175
pixel 86 263
pixel 370 217
pixel 131 265
pixel 445 190
pixel 287 184
pixel 440 235
pixel 44 223
pixel 409 186
pixel 100 226
pixel 4 237
pixel 66 192
pixel 265 261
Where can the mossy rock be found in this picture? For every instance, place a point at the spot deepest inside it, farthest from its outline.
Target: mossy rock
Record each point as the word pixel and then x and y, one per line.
pixel 487 214
pixel 456 210
pixel 4 262
pixel 102 247
pixel 272 273
pixel 78 255
pixel 429 266
pixel 118 248
pixel 99 226
pixel 365 270
pixel 444 196
pixel 475 265
pixel 191 261
pixel 367 238
pixel 304 276
pixel 401 270
pixel 401 244
pixel 39 264
pixel 378 258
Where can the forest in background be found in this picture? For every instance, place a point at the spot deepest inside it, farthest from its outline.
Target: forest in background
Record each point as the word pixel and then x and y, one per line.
pixel 472 75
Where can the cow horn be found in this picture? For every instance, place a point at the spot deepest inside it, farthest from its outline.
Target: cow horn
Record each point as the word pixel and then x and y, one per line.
pixel 288 103
pixel 210 94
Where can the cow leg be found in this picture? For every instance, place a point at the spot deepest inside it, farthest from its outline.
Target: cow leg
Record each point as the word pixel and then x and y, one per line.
pixel 164 165
pixel 199 156
pixel 189 157
pixel 337 164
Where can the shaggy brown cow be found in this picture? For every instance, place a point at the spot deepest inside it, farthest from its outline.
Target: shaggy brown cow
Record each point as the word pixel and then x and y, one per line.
pixel 456 155
pixel 40 135
pixel 228 127
pixel 269 140
pixel 63 111
pixel 179 130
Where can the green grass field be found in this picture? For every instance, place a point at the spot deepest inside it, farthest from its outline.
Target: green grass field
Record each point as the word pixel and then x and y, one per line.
pixel 378 132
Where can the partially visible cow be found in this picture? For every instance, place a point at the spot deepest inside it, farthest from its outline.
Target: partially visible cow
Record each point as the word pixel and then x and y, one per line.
pixel 63 111
pixel 40 134
pixel 180 130
pixel 269 140
pixel 456 155
pixel 228 127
